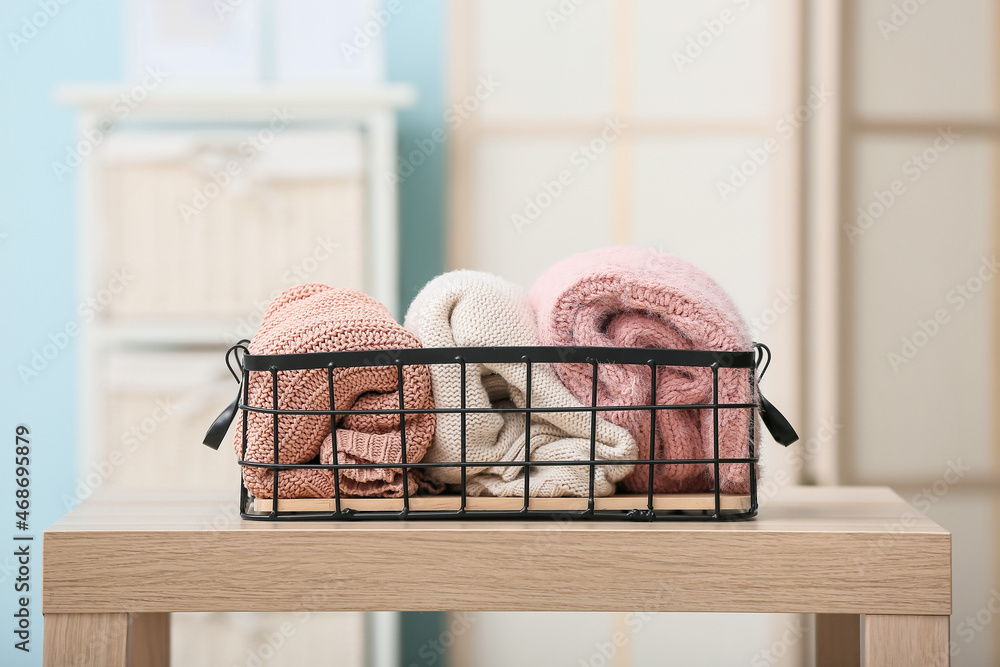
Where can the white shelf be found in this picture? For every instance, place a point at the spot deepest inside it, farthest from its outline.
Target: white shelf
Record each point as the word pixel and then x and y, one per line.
pixel 173 110
pixel 317 101
pixel 167 333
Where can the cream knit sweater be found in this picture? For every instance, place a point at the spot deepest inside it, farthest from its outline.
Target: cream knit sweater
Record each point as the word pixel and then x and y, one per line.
pixel 473 309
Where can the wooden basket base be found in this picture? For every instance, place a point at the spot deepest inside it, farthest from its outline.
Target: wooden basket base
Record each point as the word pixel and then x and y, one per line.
pixel 661 501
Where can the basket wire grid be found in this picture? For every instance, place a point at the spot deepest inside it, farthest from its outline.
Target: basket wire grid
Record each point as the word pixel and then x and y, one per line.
pixel 595 357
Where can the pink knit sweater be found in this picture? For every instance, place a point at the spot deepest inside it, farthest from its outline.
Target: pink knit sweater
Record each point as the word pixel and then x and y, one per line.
pixel 318 318
pixel 636 297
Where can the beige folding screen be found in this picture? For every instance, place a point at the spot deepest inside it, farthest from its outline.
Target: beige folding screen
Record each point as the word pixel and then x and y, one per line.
pixel 920 131
pixel 676 125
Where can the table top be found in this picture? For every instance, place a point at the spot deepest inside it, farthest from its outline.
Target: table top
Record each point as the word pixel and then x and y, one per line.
pixel 812 549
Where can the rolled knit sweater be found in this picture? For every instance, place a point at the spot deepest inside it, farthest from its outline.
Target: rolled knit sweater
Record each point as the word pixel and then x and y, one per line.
pixel 636 297
pixel 473 309
pixel 318 318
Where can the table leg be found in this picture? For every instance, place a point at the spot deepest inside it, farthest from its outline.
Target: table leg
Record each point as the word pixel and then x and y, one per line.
pixel 838 640
pixel 906 641
pixel 149 640
pixel 86 640
pixel 107 640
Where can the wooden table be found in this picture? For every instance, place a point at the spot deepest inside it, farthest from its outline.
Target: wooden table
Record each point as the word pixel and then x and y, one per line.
pixel 875 571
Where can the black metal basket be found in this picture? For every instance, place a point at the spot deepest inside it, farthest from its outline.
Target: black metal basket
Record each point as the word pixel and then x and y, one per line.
pixel 412 506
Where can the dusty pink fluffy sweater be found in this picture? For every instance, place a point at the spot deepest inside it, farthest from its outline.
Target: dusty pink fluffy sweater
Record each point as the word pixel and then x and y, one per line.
pixel 318 318
pixel 637 297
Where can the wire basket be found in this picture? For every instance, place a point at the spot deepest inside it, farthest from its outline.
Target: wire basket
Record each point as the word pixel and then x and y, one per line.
pixel 460 504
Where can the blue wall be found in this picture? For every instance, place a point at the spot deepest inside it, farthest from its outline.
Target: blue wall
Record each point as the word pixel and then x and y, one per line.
pixel 83 41
pixel 415 53
pixel 415 49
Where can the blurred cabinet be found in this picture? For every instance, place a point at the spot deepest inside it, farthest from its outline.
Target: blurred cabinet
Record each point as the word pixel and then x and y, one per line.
pixel 155 403
pixel 209 224
pixel 196 207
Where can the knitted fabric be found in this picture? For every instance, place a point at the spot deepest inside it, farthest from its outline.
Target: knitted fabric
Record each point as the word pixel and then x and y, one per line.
pixel 472 309
pixel 636 297
pixel 318 318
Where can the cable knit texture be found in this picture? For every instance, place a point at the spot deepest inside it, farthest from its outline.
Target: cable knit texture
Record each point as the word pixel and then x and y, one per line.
pixel 636 297
pixel 318 318
pixel 473 309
